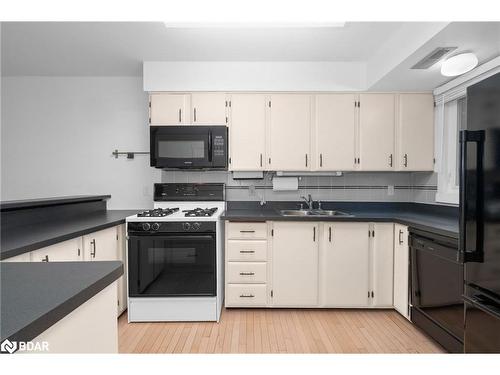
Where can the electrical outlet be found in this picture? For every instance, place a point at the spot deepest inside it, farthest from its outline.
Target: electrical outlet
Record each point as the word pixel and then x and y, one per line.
pixel 390 189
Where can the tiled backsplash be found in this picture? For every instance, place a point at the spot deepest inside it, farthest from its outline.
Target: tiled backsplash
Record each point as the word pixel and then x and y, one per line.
pixel 354 186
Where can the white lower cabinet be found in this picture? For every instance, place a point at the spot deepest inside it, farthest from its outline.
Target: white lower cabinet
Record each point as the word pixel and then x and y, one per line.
pixel 310 264
pixel 101 245
pixel 401 270
pixel 66 251
pixel 345 266
pixel 382 260
pixel 295 264
pixel 26 257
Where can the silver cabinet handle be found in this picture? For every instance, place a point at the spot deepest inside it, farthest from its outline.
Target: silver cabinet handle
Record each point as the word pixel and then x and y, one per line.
pixel 320 160
pixel 247 251
pixel 330 234
pixel 400 239
pixel 92 244
pixel 314 234
pixel 261 160
pixel 247 231
pixel 390 160
pixel 180 115
pixel 247 296
pixel 46 259
pixel 405 160
pixel 306 160
pixel 194 113
pixel 247 273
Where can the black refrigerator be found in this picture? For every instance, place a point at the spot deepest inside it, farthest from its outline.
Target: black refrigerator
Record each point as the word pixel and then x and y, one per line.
pixel 480 216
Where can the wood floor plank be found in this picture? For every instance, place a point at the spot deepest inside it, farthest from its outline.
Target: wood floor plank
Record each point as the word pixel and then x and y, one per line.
pixel 280 331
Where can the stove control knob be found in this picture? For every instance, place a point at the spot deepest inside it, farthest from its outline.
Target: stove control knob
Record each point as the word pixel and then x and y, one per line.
pixel 155 226
pixel 186 226
pixel 146 226
pixel 196 226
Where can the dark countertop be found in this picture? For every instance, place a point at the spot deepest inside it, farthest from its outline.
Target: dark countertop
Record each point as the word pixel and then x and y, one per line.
pixel 35 296
pixel 42 202
pixel 436 219
pixel 21 239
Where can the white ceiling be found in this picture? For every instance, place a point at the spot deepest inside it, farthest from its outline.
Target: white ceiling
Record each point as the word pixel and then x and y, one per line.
pixel 117 49
pixel 386 49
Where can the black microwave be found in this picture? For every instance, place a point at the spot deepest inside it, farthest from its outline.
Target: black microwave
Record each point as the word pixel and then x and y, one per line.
pixel 188 147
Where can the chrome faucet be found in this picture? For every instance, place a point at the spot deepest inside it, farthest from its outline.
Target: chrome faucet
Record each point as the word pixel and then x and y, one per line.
pixel 309 201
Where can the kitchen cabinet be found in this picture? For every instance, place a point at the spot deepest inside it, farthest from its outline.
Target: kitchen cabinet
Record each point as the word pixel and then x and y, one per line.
pixel 122 281
pixel 208 108
pixel 401 270
pixel 101 245
pixel 289 132
pixel 67 251
pixel 345 266
pixel 415 132
pixel 335 132
pixel 169 109
pixel 382 258
pixel 247 132
pixel 26 257
pixel 295 264
pixel 376 132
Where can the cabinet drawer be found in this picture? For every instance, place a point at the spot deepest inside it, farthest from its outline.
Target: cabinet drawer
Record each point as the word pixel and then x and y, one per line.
pixel 246 230
pixel 241 250
pixel 246 272
pixel 245 295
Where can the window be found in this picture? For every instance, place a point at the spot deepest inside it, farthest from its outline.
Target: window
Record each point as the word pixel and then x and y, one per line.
pixel 451 117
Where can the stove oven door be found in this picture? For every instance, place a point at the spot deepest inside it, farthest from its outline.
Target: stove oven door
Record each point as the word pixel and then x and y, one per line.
pixel 173 265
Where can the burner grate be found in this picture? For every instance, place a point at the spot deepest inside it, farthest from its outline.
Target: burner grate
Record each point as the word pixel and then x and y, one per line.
pixel 158 212
pixel 200 212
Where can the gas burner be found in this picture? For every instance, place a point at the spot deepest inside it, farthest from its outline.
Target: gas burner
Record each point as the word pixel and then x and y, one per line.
pixel 200 212
pixel 158 212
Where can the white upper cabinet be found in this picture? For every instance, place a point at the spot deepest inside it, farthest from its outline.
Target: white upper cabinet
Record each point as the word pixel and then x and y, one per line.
pixel 344 261
pixel 382 264
pixel 289 133
pixel 295 264
pixel 208 108
pixel 169 109
pixel 376 132
pixel 416 132
pixel 335 132
pixel 247 132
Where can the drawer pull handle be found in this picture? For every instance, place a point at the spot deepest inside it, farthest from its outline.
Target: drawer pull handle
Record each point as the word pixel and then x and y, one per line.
pixel 247 273
pixel 247 251
pixel 46 259
pixel 247 296
pixel 247 231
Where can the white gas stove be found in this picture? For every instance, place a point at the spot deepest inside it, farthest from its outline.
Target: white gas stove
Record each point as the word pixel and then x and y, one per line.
pixel 175 255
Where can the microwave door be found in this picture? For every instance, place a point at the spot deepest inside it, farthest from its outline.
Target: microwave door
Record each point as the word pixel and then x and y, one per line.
pixel 181 148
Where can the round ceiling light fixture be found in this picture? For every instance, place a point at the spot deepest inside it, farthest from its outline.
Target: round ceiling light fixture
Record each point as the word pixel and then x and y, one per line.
pixel 459 64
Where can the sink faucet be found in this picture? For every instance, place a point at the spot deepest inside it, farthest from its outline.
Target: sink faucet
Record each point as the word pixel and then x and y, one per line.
pixel 309 201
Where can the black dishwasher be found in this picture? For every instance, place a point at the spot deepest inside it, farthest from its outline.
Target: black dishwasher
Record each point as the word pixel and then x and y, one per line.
pixel 437 286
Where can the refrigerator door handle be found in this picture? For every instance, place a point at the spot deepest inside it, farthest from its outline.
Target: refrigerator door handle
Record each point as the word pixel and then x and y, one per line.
pixel 466 212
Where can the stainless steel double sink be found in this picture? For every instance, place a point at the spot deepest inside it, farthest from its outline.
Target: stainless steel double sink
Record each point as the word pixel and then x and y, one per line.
pixel 319 213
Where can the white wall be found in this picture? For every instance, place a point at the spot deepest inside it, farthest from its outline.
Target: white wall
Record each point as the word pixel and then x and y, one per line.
pixel 254 76
pixel 58 134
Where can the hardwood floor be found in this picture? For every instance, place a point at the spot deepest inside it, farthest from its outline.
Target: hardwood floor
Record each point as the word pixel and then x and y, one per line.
pixel 280 331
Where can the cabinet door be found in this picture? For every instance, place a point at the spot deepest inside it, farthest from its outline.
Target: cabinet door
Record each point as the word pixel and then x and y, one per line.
pixel 67 251
pixel 289 133
pixel 401 270
pixel 247 132
pixel 295 264
pixel 345 265
pixel 208 108
pixel 335 132
pixel 101 245
pixel 376 132
pixel 416 132
pixel 382 264
pixel 169 109
pixel 26 257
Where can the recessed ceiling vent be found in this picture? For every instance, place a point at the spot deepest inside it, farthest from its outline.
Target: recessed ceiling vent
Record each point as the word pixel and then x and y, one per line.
pixel 433 57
